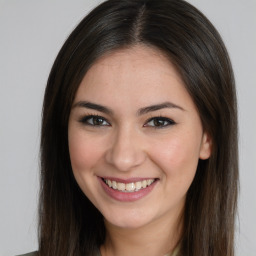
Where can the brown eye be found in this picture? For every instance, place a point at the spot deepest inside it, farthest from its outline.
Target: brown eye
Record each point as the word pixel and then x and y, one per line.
pixel 94 121
pixel 97 121
pixel 159 122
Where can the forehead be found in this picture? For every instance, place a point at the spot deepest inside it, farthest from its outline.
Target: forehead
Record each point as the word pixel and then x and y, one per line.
pixel 137 59
pixel 139 74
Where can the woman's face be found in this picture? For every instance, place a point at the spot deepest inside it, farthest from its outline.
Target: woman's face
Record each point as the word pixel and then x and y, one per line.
pixel 135 137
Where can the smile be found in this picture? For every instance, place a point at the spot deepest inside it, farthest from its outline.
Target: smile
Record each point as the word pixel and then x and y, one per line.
pixel 129 187
pixel 127 190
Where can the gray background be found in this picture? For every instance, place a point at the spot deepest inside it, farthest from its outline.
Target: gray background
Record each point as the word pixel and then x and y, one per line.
pixel 31 33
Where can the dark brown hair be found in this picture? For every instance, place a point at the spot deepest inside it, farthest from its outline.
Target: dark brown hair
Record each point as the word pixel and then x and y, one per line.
pixel 69 223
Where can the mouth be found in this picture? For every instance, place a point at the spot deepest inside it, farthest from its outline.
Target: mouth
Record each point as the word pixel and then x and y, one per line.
pixel 129 187
pixel 128 190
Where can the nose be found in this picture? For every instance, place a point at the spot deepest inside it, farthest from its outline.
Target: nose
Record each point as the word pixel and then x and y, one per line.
pixel 126 151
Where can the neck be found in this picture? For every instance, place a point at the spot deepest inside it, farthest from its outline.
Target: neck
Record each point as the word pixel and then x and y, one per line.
pixel 157 238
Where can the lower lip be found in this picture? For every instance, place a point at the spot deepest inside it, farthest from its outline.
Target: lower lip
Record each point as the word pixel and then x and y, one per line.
pixel 127 196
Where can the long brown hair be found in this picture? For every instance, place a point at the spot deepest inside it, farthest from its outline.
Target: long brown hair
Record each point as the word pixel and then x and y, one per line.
pixel 69 223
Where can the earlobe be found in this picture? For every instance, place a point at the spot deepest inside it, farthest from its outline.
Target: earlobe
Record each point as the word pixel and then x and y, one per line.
pixel 206 147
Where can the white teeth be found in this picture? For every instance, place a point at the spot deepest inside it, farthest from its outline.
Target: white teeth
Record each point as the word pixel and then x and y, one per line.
pixel 149 182
pixel 129 187
pixel 114 185
pixel 120 186
pixel 138 185
pixel 144 183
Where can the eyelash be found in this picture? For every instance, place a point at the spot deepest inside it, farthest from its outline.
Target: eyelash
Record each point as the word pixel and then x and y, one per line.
pixel 167 122
pixel 164 121
pixel 85 120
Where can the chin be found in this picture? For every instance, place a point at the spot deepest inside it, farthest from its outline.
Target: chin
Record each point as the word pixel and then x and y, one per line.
pixel 128 223
pixel 129 219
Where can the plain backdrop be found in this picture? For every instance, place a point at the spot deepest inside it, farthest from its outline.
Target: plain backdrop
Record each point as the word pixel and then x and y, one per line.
pixel 31 34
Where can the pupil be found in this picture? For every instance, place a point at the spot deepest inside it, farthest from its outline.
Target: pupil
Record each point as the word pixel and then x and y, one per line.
pixel 158 122
pixel 98 121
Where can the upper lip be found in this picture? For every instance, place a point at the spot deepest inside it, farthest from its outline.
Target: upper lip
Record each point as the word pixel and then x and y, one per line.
pixel 129 180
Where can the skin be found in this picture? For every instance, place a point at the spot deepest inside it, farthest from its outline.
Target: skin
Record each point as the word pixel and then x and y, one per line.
pixel 127 144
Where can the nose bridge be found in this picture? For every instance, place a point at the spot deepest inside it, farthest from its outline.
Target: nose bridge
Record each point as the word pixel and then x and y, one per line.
pixel 126 151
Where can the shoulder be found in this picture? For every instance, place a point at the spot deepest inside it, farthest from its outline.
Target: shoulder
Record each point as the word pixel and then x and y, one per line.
pixel 29 254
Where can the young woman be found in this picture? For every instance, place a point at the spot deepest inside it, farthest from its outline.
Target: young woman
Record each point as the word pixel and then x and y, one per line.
pixel 139 136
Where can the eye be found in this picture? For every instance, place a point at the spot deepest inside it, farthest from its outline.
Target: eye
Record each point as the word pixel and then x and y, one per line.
pixel 94 120
pixel 159 122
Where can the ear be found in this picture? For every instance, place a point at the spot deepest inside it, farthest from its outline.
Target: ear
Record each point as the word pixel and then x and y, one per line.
pixel 206 147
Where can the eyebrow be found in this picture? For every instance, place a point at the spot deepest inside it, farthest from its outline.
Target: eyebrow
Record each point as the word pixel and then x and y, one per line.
pixel 141 111
pixel 156 107
pixel 94 106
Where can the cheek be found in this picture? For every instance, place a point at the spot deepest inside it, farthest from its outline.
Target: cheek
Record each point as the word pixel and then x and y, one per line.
pixel 178 156
pixel 84 152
